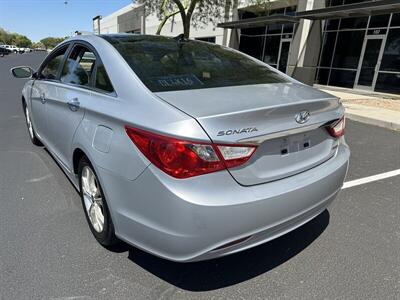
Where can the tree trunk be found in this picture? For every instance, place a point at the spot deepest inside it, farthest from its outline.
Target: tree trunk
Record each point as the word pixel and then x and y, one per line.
pixel 161 25
pixel 186 27
pixel 186 15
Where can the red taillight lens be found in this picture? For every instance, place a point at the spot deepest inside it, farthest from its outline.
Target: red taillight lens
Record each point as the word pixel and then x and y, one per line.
pixel 183 159
pixel 337 129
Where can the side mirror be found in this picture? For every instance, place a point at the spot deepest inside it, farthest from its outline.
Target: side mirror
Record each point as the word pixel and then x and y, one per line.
pixel 22 72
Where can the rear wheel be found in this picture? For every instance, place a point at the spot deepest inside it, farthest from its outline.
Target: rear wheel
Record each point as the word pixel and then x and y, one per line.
pixel 31 130
pixel 95 205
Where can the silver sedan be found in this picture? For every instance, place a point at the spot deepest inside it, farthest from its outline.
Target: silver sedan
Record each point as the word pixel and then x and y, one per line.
pixel 183 148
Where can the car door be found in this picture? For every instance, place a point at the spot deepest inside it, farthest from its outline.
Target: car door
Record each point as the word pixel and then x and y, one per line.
pixel 44 88
pixel 66 111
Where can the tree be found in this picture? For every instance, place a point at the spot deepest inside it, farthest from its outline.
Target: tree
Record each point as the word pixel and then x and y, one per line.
pixel 12 38
pixel 38 45
pixel 166 13
pixel 265 4
pixel 51 42
pixel 22 41
pixel 5 37
pixel 196 12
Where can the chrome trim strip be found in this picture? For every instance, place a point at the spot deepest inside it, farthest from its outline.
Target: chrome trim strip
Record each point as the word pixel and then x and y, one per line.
pixel 269 136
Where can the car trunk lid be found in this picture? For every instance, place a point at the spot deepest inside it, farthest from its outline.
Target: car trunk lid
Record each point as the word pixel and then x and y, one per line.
pixel 265 115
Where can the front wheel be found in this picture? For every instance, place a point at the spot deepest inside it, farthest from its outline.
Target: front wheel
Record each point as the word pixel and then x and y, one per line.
pixel 31 130
pixel 95 205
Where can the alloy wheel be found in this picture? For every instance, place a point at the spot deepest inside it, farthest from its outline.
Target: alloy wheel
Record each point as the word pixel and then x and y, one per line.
pixel 93 199
pixel 29 123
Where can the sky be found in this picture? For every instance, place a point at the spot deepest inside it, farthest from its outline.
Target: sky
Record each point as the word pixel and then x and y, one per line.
pixel 38 19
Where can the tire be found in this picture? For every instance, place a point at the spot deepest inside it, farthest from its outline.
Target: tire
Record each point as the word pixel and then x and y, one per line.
pixel 94 205
pixel 31 130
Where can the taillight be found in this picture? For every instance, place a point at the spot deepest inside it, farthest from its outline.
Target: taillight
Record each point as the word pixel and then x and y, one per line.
pixel 183 159
pixel 337 129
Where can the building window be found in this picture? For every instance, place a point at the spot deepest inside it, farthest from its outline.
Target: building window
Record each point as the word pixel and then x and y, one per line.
pixel 391 56
pixel 354 1
pixel 272 50
pixel 328 45
pixel 270 43
pixel 322 76
pixel 388 83
pixel 252 41
pixel 343 2
pixel 210 39
pixel 342 49
pixel 353 23
pixel 344 78
pixel 348 49
pixel 334 3
pixel 395 20
pixel 332 24
pixel 379 21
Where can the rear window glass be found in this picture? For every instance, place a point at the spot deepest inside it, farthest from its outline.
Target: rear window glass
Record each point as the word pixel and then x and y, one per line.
pixel 166 64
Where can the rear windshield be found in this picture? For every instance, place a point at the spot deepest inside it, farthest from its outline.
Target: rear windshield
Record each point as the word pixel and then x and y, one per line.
pixel 167 64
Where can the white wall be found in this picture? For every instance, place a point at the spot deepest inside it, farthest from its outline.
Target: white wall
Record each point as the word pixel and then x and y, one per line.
pixel 109 24
pixel 174 27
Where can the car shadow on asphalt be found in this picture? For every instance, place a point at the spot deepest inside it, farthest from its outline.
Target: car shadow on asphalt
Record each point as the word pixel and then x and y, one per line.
pixel 233 269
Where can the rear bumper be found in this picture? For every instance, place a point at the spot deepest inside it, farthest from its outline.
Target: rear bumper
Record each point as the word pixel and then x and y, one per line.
pixel 186 220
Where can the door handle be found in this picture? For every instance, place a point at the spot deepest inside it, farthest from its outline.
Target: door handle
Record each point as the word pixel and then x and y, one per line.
pixel 74 104
pixel 43 98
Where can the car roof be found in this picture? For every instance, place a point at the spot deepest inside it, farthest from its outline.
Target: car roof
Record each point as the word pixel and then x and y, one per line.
pixel 130 36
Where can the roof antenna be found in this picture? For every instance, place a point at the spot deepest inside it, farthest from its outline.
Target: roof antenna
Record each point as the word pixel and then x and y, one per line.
pixel 180 37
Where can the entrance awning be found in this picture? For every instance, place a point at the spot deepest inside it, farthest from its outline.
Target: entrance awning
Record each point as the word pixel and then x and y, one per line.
pixel 377 7
pixel 259 22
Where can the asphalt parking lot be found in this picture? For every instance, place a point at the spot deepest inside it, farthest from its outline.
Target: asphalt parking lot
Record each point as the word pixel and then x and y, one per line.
pixel 350 251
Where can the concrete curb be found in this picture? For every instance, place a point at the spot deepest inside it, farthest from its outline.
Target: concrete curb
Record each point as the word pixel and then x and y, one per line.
pixel 372 121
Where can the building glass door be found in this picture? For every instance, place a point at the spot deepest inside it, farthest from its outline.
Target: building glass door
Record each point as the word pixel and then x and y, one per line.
pixel 283 55
pixel 371 57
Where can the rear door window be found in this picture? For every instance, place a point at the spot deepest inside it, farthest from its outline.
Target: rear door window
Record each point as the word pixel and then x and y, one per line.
pixel 102 81
pixel 79 66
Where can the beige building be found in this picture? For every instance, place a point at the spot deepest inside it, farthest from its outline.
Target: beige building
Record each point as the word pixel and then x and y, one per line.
pixel 346 43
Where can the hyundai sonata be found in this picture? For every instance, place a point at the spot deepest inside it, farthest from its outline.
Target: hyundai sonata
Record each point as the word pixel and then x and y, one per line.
pixel 183 148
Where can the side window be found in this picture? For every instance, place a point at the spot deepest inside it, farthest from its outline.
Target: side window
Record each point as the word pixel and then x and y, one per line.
pixel 79 66
pixel 102 80
pixel 51 68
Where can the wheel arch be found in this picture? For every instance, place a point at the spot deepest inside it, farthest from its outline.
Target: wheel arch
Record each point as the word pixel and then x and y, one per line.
pixel 77 155
pixel 76 158
pixel 23 102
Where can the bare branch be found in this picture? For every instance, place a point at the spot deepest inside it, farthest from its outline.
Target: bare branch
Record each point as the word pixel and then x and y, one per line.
pixel 164 20
pixel 181 8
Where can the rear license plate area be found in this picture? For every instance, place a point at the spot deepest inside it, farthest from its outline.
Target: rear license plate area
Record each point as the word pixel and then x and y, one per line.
pixel 294 143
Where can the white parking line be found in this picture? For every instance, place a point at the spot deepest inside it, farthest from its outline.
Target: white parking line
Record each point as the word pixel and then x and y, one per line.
pixel 372 178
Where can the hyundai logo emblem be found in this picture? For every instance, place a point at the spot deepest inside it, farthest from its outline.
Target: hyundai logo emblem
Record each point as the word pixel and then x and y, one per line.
pixel 302 117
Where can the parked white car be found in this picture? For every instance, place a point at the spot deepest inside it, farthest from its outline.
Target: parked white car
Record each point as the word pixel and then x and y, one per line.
pixel 13 48
pixel 24 50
